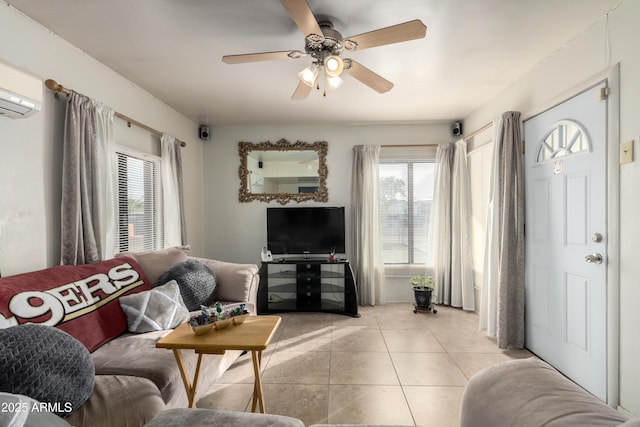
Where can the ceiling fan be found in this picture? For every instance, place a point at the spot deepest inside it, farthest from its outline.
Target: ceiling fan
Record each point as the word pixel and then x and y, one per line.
pixel 325 45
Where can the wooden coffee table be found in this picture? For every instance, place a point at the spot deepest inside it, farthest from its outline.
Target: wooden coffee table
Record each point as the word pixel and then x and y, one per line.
pixel 253 335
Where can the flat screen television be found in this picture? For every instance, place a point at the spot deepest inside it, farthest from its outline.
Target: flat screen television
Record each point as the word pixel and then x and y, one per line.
pixel 308 230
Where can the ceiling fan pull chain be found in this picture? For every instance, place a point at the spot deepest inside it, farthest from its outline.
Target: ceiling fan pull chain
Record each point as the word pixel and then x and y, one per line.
pixel 324 81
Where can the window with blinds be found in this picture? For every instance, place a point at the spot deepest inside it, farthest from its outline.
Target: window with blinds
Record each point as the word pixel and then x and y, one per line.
pixel 406 195
pixel 139 203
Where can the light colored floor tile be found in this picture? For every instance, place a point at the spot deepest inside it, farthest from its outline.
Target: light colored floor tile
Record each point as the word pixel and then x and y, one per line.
pixel 297 367
pixel 240 372
pixel 471 363
pixel 452 320
pixel 392 308
pixel 451 325
pixel 368 404
pixel 296 337
pixel 436 369
pixel 227 397
pixel 435 406
pixel 308 320
pixel 390 366
pixel 466 342
pixel 362 368
pixel 357 338
pixel 400 318
pixel 411 340
pixel 306 402
pixel 367 318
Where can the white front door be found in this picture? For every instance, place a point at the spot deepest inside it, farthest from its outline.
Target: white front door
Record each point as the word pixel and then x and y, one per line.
pixel 565 242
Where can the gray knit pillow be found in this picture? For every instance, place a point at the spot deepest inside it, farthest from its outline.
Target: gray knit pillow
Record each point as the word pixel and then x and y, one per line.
pixel 46 364
pixel 196 281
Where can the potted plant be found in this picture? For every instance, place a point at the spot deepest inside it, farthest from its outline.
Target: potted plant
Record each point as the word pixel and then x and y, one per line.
pixel 422 290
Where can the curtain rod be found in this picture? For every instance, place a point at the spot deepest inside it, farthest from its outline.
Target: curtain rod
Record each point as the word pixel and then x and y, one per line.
pixel 466 138
pixel 482 129
pixel 408 145
pixel 58 88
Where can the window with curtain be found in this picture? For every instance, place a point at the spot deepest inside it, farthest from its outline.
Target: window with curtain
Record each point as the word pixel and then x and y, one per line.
pixel 139 201
pixel 406 195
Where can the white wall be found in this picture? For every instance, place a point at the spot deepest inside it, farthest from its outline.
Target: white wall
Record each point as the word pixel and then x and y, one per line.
pixel 237 231
pixel 479 160
pixel 30 149
pixel 586 56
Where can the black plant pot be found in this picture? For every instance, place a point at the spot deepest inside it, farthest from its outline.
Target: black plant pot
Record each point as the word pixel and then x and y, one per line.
pixel 423 298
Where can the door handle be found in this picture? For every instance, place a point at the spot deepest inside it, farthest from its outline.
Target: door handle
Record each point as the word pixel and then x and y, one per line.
pixel 593 259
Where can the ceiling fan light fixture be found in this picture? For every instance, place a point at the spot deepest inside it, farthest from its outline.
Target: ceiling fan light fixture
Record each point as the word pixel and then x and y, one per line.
pixel 309 75
pixel 324 44
pixel 334 82
pixel 333 65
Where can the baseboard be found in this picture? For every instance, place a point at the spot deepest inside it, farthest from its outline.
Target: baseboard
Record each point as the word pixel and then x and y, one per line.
pixel 626 413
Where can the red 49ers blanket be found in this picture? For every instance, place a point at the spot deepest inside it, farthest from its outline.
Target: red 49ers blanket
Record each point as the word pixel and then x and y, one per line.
pixel 82 300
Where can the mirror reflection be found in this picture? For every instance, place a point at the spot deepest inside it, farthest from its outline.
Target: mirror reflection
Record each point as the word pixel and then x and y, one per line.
pixel 283 171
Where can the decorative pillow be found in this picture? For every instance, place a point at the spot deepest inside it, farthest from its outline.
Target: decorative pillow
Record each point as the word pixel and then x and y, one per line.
pixel 197 283
pixel 79 299
pixel 155 262
pixel 233 280
pixel 46 364
pixel 22 411
pixel 156 310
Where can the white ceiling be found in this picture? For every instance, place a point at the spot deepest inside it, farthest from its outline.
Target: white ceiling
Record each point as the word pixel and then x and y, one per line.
pixel 473 50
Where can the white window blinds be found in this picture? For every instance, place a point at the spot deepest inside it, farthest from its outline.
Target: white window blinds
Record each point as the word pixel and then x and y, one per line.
pixel 406 195
pixel 139 204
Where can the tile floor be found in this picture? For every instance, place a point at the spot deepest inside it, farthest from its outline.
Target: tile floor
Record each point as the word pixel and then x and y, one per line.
pixel 390 366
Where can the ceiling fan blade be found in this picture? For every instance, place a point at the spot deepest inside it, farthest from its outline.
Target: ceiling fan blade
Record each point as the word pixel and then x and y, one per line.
pixel 301 92
pixel 368 77
pixel 303 16
pixel 262 56
pixel 395 34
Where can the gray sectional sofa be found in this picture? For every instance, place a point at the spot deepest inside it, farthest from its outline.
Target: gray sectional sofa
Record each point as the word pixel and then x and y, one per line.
pixel 134 380
pixel 215 418
pixel 137 384
pixel 531 393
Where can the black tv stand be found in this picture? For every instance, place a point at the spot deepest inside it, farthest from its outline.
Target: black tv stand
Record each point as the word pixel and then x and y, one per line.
pixel 285 260
pixel 299 284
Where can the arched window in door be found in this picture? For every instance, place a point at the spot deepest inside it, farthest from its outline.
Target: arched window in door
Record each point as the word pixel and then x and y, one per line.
pixel 564 138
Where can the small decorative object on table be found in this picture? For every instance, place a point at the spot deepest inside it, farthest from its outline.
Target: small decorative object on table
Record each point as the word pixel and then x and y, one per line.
pixel 217 317
pixel 200 329
pixel 422 290
pixel 332 255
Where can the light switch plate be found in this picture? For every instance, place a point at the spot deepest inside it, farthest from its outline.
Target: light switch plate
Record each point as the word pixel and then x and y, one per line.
pixel 626 152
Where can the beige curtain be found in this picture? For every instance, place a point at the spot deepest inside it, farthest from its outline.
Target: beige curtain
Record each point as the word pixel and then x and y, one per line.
pixel 439 250
pixel 366 243
pixel 175 233
pixel 449 246
pixel 489 293
pixel 461 261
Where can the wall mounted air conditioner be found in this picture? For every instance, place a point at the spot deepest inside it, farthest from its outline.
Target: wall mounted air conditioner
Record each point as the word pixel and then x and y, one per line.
pixel 20 93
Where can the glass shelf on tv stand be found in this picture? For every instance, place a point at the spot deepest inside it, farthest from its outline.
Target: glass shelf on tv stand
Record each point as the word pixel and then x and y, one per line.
pixel 307 284
pixel 302 258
